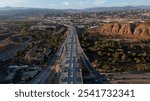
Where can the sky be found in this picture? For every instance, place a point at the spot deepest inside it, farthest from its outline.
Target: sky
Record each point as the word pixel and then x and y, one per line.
pixel 72 4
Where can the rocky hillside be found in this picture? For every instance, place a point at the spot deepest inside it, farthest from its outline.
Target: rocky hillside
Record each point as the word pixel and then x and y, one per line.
pixel 141 30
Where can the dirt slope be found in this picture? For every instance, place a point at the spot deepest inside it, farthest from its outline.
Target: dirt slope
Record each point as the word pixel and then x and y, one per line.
pixel 141 30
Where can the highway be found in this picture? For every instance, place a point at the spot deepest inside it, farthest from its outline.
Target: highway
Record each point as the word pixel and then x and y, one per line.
pixel 71 72
pixel 47 75
pixel 65 65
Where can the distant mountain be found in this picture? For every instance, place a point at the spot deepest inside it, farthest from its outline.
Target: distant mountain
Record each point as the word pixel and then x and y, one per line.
pixel 95 9
pixel 101 9
pixel 25 12
pixel 7 8
pixel 22 12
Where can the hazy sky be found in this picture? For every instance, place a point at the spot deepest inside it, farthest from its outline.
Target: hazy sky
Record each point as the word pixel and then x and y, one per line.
pixel 77 4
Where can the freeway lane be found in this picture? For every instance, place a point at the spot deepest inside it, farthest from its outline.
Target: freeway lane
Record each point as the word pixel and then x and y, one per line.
pixel 65 65
pixel 71 71
pixel 65 56
pixel 43 76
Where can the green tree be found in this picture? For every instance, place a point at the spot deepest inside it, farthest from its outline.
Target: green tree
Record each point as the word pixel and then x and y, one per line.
pixel 123 57
pixel 116 55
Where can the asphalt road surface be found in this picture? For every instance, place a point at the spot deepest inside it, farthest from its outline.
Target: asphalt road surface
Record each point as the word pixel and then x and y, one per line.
pixel 65 65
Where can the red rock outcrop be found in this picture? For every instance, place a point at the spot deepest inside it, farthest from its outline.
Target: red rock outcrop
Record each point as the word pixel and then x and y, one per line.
pixel 127 29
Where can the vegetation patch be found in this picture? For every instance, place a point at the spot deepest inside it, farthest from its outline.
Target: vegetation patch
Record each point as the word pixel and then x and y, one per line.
pixel 109 54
